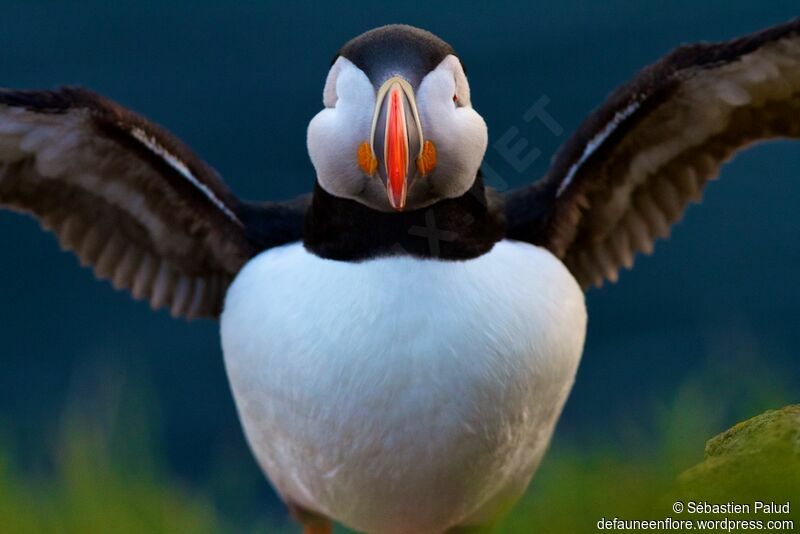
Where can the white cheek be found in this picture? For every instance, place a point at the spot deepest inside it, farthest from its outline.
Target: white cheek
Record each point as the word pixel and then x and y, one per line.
pixel 335 133
pixel 354 89
pixel 459 133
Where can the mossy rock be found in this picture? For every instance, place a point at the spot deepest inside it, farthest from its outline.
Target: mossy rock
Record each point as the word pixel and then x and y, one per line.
pixel 756 459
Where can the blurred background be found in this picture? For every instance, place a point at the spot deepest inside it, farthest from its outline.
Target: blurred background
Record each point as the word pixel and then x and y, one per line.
pixel 92 382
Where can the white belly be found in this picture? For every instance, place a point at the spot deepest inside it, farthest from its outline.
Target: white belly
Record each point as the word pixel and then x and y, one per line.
pixel 398 394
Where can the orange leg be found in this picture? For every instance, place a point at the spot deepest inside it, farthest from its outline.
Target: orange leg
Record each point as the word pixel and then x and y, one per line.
pixel 324 527
pixel 311 522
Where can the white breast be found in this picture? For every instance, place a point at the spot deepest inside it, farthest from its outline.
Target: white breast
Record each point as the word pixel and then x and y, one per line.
pixel 399 394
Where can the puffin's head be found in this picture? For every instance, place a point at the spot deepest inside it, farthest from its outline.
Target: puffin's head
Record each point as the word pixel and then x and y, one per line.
pixel 398 130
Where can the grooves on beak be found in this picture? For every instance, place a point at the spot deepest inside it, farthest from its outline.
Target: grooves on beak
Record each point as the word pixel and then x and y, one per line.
pixel 396 135
pixel 396 149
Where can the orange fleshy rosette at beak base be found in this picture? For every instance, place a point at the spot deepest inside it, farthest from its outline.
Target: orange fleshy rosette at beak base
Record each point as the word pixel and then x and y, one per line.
pixel 366 159
pixel 426 161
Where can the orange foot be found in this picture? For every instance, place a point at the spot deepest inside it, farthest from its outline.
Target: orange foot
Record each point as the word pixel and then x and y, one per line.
pixel 321 527
pixel 312 523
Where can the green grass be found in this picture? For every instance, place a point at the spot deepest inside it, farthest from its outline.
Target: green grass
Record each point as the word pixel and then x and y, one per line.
pixel 91 493
pixel 107 477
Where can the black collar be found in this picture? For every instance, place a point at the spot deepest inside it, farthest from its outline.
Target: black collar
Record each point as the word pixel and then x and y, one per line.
pixel 453 229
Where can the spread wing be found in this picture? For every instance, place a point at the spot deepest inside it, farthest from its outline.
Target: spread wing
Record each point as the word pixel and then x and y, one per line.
pixel 131 200
pixel 632 167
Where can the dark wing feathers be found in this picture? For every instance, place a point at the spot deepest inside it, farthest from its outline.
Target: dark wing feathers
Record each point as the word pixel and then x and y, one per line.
pixel 144 212
pixel 271 224
pixel 130 199
pixel 634 165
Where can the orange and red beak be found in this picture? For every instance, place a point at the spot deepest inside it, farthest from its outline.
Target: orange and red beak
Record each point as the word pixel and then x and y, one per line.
pixel 396 148
pixel 396 135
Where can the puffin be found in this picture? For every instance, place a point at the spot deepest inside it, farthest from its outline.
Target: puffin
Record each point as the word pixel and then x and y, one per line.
pixel 400 341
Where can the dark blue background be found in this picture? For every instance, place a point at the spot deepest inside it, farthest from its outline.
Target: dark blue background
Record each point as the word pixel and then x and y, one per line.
pixel 239 83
